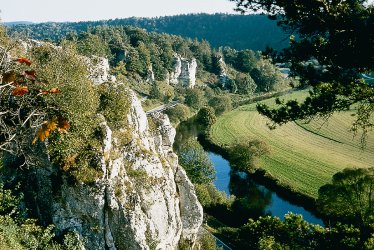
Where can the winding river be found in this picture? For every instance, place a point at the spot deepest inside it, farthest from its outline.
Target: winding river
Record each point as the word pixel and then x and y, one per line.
pixel 259 199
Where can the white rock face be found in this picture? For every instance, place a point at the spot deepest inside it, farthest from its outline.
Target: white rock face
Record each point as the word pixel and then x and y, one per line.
pixel 223 77
pixel 150 74
pixel 184 72
pixel 144 200
pixel 99 70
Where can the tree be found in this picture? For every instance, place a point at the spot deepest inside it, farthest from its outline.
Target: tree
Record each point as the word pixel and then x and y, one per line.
pixel 25 107
pixel 179 113
pixel 90 44
pixel 195 98
pixel 206 116
pixel 349 198
pixel 245 61
pixel 334 46
pixel 244 156
pixel 267 77
pixel 221 104
pixel 245 84
pixel 196 162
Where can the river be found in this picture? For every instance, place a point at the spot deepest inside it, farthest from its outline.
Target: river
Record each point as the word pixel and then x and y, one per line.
pixel 259 200
pixel 274 205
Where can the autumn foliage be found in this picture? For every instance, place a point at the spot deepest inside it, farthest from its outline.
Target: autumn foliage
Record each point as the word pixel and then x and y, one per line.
pixel 61 124
pixel 23 106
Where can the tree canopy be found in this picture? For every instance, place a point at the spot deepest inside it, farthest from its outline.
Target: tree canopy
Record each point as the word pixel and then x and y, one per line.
pixel 331 45
pixel 349 197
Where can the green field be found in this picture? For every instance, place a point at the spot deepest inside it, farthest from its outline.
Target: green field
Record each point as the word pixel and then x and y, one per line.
pixel 302 156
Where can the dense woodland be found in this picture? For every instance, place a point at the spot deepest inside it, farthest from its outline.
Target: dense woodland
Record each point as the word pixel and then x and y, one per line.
pixel 237 31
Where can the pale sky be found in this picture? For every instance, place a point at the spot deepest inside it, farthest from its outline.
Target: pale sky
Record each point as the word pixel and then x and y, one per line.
pixel 82 10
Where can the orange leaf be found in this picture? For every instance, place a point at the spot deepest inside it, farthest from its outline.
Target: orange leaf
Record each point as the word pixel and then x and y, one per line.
pixel 22 60
pixel 49 126
pixel 20 91
pixel 54 91
pixel 51 91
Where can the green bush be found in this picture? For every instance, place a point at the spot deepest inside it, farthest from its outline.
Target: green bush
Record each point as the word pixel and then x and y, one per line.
pixel 114 105
pixel 206 117
pixel 196 162
pixel 221 104
pixel 179 113
pixel 244 156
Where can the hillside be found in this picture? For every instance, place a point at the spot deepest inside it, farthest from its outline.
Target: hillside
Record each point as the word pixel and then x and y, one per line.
pixel 237 31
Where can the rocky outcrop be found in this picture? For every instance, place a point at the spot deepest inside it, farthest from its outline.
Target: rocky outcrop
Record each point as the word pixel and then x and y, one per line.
pixel 141 198
pixel 98 67
pixel 150 75
pixel 144 199
pixel 184 72
pixel 223 77
pixel 99 70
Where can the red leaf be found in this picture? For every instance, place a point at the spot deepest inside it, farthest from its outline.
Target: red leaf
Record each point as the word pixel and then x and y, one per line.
pixel 31 74
pixel 20 91
pixel 22 60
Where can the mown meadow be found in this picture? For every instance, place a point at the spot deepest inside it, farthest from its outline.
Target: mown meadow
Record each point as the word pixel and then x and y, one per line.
pixel 303 156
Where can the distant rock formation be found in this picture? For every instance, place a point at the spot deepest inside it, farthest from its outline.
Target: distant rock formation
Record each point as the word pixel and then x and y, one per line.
pixel 184 72
pixel 99 70
pixel 150 74
pixel 223 77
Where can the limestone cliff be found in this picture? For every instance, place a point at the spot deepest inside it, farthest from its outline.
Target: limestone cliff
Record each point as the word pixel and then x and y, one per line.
pixel 184 72
pixel 144 200
pixel 223 77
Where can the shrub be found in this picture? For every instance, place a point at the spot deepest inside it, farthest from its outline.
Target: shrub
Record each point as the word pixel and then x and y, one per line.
pixel 221 104
pixel 244 156
pixel 206 116
pixel 179 113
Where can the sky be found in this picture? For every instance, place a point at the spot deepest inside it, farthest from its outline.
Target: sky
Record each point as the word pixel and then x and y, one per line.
pixel 86 10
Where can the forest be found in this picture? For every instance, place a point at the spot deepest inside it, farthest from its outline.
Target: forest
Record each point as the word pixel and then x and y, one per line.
pixel 254 32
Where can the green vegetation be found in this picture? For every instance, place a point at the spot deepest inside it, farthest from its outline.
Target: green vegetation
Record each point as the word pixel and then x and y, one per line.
pixel 239 32
pixel 19 233
pixel 196 162
pixel 303 156
pixel 179 113
pixel 331 47
pixel 244 156
pixel 349 197
pixel 206 117
pixel 293 233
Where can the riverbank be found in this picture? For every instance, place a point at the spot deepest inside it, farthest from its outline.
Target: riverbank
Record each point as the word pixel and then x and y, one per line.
pixel 302 155
pixel 262 177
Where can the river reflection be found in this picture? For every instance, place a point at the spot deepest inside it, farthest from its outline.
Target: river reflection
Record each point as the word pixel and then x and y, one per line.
pixel 252 199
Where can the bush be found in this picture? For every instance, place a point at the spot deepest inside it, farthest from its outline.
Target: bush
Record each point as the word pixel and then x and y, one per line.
pixel 244 156
pixel 210 196
pixel 114 105
pixel 196 162
pixel 221 104
pixel 179 113
pixel 195 98
pixel 206 116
